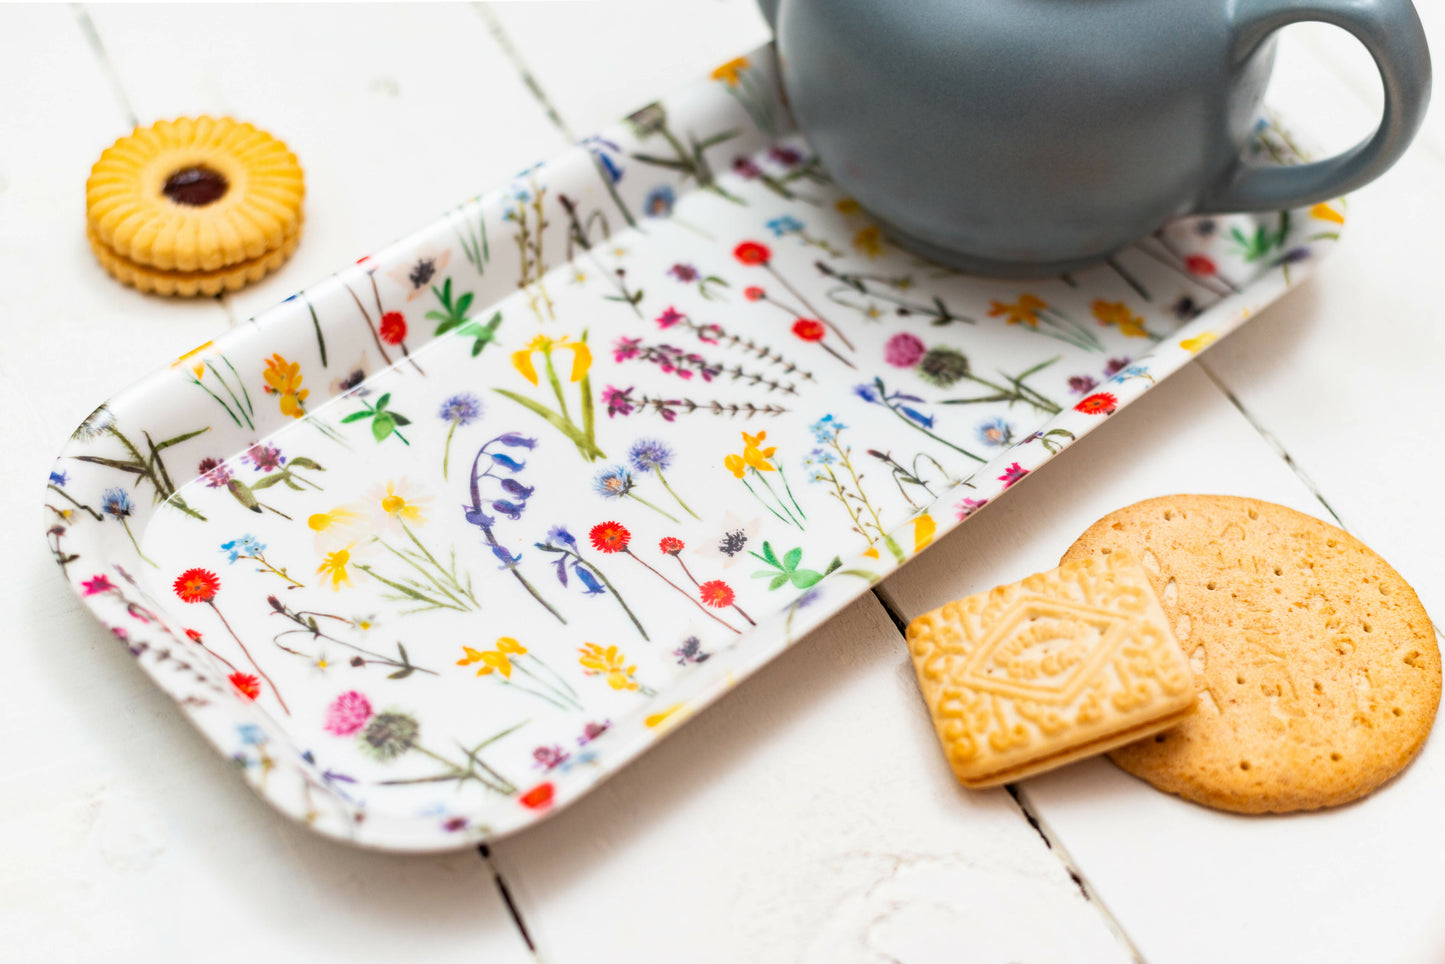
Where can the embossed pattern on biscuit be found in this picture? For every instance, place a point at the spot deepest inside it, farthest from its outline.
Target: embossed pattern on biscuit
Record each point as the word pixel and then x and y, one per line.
pixel 1062 665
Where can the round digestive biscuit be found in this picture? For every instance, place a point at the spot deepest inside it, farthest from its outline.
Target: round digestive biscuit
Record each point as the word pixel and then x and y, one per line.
pixel 191 283
pixel 195 194
pixel 1315 665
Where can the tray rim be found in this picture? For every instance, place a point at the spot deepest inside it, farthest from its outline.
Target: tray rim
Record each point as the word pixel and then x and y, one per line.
pixel 397 832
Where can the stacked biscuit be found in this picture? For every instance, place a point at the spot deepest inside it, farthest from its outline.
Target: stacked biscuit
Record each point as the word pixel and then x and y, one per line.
pixel 194 206
pixel 1236 653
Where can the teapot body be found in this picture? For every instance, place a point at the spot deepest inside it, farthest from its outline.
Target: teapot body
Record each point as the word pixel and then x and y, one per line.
pixel 1020 137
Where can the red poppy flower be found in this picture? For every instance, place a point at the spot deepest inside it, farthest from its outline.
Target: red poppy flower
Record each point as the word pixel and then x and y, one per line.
pixel 716 593
pixel 537 798
pixel 610 537
pixel 197 585
pixel 754 293
pixel 246 684
pixel 393 327
pixel 1200 264
pixel 750 252
pixel 809 330
pixel 1099 403
pixel 671 545
pixel 194 635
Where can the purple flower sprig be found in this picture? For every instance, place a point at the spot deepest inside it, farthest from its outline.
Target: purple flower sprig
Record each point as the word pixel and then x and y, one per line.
pixel 496 489
pixel 563 545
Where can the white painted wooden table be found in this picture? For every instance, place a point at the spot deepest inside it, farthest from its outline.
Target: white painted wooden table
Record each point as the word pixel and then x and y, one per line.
pixel 809 815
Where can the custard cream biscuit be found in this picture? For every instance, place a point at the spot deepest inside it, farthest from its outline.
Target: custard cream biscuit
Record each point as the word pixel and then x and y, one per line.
pixel 1063 665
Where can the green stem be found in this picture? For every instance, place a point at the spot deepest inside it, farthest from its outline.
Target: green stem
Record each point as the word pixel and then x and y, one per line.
pixel 136 544
pixel 541 682
pixel 764 479
pixel 914 425
pixel 219 401
pixel 449 576
pixel 764 504
pixel 556 385
pixel 409 592
pixel 447 451
pixel 675 496
pixel 615 595
pixel 794 498
pixel 633 495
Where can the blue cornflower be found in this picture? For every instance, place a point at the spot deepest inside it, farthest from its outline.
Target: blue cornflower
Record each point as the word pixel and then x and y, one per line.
pixel 826 429
pixel 648 454
pixel 59 478
pixel 787 224
pixel 247 545
pixel 659 202
pixel 116 502
pixel 613 483
pixel 996 432
pixel 464 409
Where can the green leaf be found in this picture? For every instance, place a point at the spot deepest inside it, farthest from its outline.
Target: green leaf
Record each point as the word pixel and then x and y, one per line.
pixel 402 650
pixel 778 581
pixel 383 401
pixel 399 418
pixel 791 560
pixel 833 565
pixel 243 494
pixel 112 464
pixel 402 673
pixel 804 578
pixel 463 303
pixel 265 482
pixel 382 426
pixel 771 556
pixel 180 438
pixel 302 462
pixel 764 574
pixel 357 416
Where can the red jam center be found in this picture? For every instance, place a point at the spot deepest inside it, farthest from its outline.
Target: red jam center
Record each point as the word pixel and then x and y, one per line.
pixel 195 186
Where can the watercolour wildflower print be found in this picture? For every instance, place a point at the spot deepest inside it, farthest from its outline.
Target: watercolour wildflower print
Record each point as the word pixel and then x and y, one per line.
pixel 431 574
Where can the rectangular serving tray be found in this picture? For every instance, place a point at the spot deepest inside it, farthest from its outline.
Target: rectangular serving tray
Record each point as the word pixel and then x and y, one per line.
pixel 432 547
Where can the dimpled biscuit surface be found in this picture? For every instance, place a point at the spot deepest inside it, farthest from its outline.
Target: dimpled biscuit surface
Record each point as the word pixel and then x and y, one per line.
pixel 1317 669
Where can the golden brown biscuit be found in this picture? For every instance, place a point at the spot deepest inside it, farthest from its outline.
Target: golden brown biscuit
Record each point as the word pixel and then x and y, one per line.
pixel 190 283
pixel 1317 668
pixel 195 194
pixel 1062 665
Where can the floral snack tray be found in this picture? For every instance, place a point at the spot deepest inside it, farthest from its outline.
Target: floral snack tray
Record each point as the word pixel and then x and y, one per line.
pixel 431 548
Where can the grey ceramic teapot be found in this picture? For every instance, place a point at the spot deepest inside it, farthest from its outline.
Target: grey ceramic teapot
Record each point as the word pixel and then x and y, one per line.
pixel 1026 137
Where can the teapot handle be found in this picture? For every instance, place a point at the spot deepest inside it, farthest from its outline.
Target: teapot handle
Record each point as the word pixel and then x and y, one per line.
pixel 1390 30
pixel 769 10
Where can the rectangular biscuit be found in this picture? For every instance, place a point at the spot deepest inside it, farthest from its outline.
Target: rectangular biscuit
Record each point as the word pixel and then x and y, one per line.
pixel 1062 665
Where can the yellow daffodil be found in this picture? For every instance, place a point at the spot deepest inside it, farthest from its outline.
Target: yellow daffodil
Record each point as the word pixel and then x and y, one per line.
pixel 1323 212
pixel 610 663
pixel 731 72
pixel 507 644
pixel 1196 345
pixel 753 455
pixel 735 465
pixel 333 568
pixel 284 378
pixel 923 529
pixel 195 359
pixel 1117 313
pixel 1024 312
pixel 581 356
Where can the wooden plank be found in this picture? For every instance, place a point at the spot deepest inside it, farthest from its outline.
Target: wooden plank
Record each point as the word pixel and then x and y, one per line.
pixel 397 112
pixel 808 816
pixel 1186 883
pixel 598 62
pixel 1344 372
pixel 124 836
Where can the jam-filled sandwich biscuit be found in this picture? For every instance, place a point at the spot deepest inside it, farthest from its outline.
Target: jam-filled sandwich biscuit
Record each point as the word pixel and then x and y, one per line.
pixel 194 205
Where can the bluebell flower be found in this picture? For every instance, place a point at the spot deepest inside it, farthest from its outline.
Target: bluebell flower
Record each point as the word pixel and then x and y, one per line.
pixel 59 478
pixel 594 588
pixel 508 560
pixel 516 489
pixel 913 414
pixel 867 393
pixel 246 545
pixel 559 536
pixel 464 409
pixel 114 501
pixel 648 454
pixel 613 483
pixel 511 510
pixel 507 462
pixel 518 441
